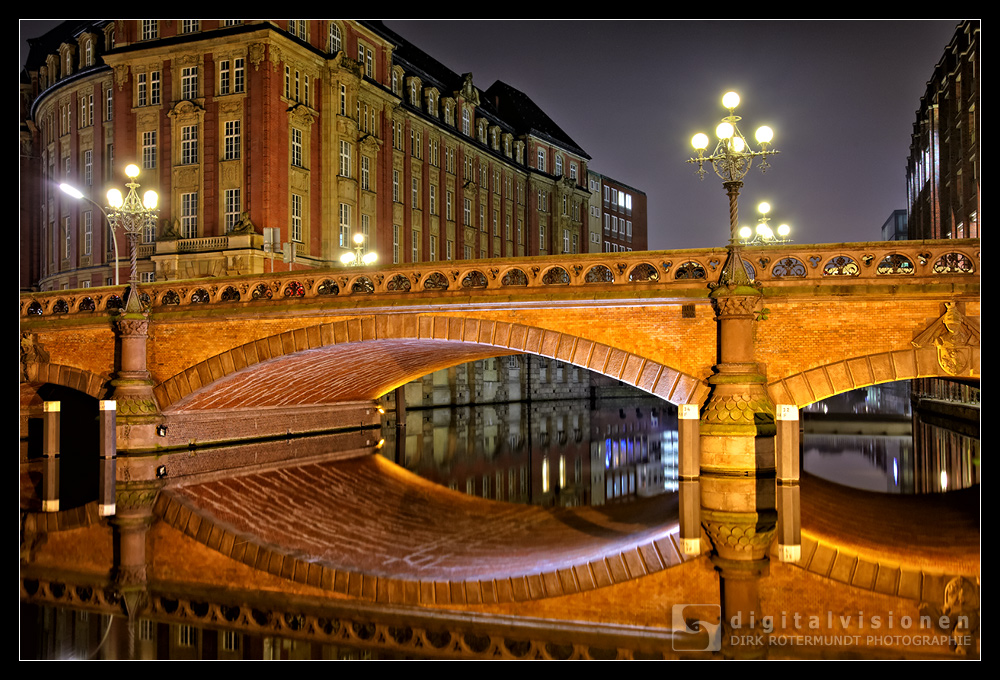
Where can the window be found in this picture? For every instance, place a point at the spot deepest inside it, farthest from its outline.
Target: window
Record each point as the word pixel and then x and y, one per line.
pixel 149 29
pixel 109 103
pixel 415 242
pixel 232 206
pixel 496 222
pixel 395 244
pixel 466 124
pixel 296 218
pixel 88 167
pixel 366 229
pixel 559 165
pixel 414 192
pixel 541 159
pixel 565 240
pixel 345 158
pixel 541 237
pixel 190 25
pixel 395 186
pixel 468 213
pixel 298 28
pixel 365 173
pixel 189 145
pixel 232 74
pixel 432 255
pixel 433 199
pixel 448 198
pixel 189 215
pixel 345 225
pixel 232 140
pixel 149 150
pixel 448 249
pixel 141 89
pixel 88 53
pixel 88 233
pixel 572 170
pixel 297 147
pixel 67 240
pixel 189 82
pixel 335 38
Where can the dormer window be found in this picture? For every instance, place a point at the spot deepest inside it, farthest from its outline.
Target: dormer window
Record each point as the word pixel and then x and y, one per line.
pixel 466 122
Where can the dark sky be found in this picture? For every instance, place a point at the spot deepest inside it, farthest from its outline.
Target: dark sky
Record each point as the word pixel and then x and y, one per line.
pixel 841 97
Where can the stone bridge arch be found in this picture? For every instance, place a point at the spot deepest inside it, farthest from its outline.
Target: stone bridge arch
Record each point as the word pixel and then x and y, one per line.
pixel 820 382
pixel 313 362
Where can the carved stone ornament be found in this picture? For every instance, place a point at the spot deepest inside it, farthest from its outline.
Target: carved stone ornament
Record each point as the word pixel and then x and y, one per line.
pixel 958 614
pixel 738 535
pixel 121 75
pixel 735 305
pixel 256 55
pixel 953 336
pixel 244 226
pixel 131 325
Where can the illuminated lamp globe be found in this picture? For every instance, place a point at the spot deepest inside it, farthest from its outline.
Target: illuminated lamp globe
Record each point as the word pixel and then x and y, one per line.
pixel 738 144
pixel 132 170
pixel 764 134
pixel 730 100
pixel 765 232
pixel 700 141
pixel 764 207
pixel 724 131
pixel 347 258
pixel 745 232
pixel 115 198
pixel 359 239
pixel 149 199
pixel 784 230
pixel 369 258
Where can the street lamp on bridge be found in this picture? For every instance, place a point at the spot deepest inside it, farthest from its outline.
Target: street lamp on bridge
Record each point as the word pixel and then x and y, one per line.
pixel 133 215
pixel 358 257
pixel 79 195
pixel 764 234
pixel 733 156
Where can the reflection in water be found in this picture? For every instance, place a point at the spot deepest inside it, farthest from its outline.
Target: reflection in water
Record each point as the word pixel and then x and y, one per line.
pixel 554 453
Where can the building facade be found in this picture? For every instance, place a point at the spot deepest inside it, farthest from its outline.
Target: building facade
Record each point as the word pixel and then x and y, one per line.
pixel 623 217
pixel 942 172
pixel 320 129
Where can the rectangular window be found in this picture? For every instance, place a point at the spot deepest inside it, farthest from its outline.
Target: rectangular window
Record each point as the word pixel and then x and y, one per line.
pixel 67 239
pixel 395 186
pixel 189 145
pixel 416 246
pixel 233 205
pixel 366 230
pixel 541 159
pixel 232 140
pixel 395 244
pixel 190 25
pixel 189 215
pixel 468 213
pixel 88 233
pixel 414 193
pixel 154 88
pixel 189 82
pixel 365 173
pixel 345 159
pixel 141 89
pixel 448 249
pixel 433 248
pixel 297 147
pixel 345 226
pixel 150 29
pixel 149 150
pixel 496 222
pixel 109 103
pixel 224 77
pixel 88 167
pixel 433 199
pixel 296 218
pixel 449 198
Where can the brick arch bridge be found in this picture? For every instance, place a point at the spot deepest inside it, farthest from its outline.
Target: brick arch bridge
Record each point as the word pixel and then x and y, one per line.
pixel 830 318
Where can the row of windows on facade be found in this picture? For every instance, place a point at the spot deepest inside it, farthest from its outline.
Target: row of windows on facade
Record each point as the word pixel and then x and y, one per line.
pixel 231 80
pixel 618 199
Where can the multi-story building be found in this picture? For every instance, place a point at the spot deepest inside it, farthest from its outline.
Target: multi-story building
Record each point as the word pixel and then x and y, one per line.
pixel 942 172
pixel 321 129
pixel 623 216
pixel 894 228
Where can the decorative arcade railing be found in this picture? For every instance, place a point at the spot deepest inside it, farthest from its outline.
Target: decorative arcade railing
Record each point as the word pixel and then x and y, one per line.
pixel 646 273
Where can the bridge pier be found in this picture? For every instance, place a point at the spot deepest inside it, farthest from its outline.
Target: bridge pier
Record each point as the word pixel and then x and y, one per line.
pixel 132 389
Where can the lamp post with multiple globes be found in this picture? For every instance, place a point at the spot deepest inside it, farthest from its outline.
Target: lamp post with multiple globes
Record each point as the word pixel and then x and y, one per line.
pixel 133 216
pixel 358 257
pixel 763 233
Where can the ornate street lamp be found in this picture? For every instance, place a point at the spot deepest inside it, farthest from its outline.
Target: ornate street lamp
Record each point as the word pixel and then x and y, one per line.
pixel 358 257
pixel 78 195
pixel 133 215
pixel 733 156
pixel 764 234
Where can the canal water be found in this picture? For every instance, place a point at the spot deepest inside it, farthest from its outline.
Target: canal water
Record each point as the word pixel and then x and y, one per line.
pixel 593 444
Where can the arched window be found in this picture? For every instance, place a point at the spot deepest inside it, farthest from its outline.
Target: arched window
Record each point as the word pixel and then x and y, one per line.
pixel 335 41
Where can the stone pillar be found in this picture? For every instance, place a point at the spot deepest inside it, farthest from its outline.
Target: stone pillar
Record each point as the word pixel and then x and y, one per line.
pixel 789 523
pixel 688 444
pixel 130 525
pixel 50 451
pixel 737 423
pixel 133 388
pixel 689 509
pixel 786 442
pixel 108 460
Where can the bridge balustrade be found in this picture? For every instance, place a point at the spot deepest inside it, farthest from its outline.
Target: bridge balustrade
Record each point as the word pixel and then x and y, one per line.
pixel 774 267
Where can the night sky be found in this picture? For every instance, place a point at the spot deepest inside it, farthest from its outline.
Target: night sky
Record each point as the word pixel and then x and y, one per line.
pixel 841 97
